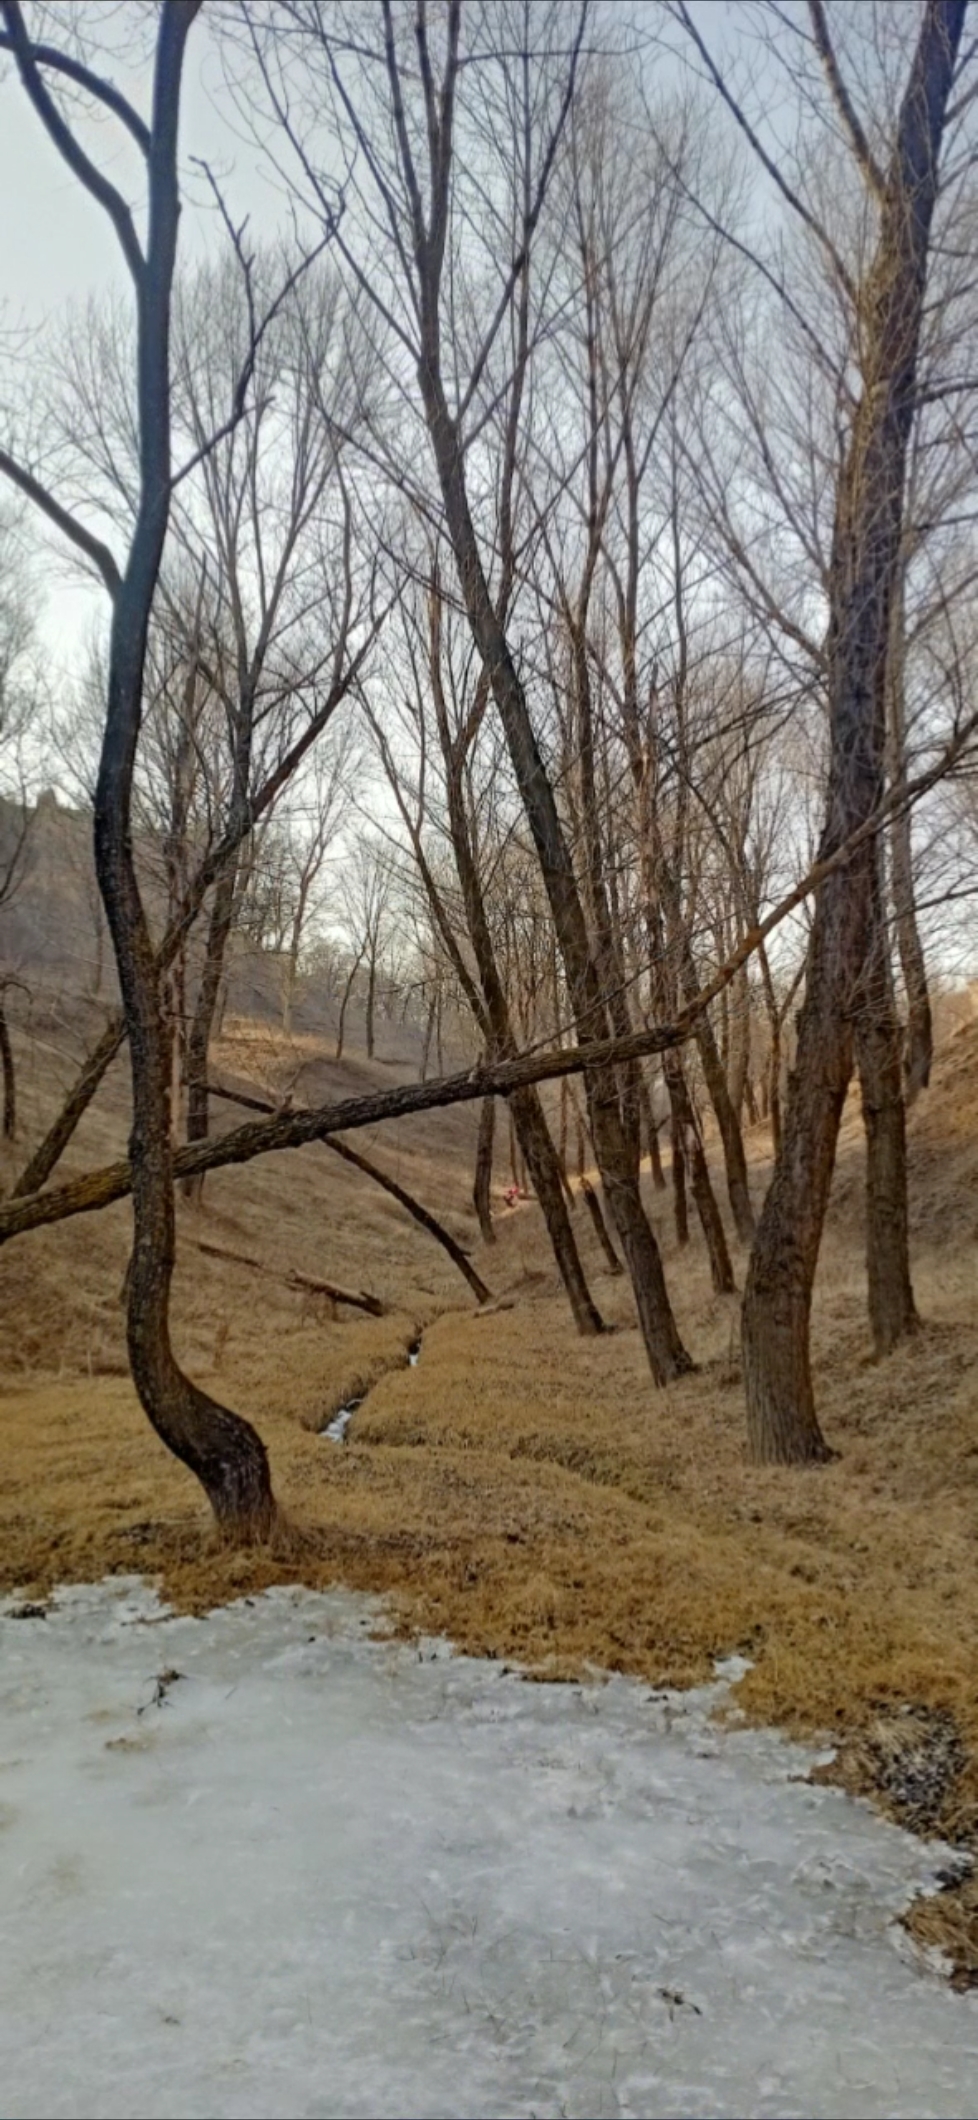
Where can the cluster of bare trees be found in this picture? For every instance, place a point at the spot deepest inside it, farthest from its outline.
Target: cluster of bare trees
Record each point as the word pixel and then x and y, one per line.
pixel 614 560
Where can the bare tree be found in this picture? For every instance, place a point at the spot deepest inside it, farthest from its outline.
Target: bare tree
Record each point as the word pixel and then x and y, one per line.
pixel 413 110
pixel 223 1451
pixel 848 998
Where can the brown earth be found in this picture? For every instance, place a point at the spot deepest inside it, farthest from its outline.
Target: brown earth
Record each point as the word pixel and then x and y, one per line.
pixel 526 1492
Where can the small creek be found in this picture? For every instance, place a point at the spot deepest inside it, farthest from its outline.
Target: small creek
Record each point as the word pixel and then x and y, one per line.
pixel 337 1427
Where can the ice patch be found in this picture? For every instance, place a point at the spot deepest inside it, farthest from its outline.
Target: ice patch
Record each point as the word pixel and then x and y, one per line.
pixel 262 1864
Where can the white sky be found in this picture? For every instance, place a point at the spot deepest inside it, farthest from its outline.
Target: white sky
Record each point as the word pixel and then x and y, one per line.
pixel 57 248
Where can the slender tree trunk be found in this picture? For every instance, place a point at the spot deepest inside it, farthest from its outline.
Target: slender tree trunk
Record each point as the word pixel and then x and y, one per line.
pixel 692 1156
pixel 919 1050
pixel 528 1129
pixel 728 1122
pixel 371 1005
pixel 344 1000
pixel 9 1076
pixel 863 576
pixel 666 1354
pixel 711 1221
pixel 679 1208
pixel 740 1042
pixel 594 1209
pixel 223 1451
pixel 892 1312
pixel 482 1189
pixel 202 1024
pixel 429 1031
pixel 651 1134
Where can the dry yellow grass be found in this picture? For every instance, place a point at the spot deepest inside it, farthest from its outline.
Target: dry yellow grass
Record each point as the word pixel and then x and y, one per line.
pixel 527 1492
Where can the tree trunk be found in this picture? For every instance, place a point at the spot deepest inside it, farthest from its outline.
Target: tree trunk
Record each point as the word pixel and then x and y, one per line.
pixel 666 1354
pixel 651 1134
pixel 224 1452
pixel 863 576
pixel 892 1312
pixel 782 1425
pixel 739 1064
pixel 202 1024
pixel 678 1140
pixel 9 1077
pixel 541 1156
pixel 371 1006
pixel 728 1121
pixel 528 1127
pixel 429 1031
pixel 482 1189
pixel 919 1049
pixel 344 999
pixel 686 1131
pixel 594 1209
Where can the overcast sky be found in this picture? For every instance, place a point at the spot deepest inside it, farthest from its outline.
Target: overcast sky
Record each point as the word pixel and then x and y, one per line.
pixel 57 248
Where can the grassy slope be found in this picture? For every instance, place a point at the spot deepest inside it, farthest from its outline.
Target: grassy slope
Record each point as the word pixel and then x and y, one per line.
pixel 525 1491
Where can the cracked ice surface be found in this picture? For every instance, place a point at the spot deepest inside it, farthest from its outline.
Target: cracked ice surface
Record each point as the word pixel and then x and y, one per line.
pixel 326 1875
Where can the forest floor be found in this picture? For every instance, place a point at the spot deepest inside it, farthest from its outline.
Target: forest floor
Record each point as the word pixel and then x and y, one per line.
pixel 519 1490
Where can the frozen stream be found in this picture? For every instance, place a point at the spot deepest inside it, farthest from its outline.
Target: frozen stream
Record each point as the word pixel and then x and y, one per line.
pixel 323 1875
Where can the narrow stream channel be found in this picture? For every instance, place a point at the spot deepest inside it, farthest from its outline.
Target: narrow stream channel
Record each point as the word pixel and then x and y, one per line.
pixel 337 1429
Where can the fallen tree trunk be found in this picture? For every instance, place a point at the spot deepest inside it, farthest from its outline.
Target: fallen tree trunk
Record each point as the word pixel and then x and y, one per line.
pixel 421 1215
pixel 294 1279
pixel 98 1188
pixel 317 1287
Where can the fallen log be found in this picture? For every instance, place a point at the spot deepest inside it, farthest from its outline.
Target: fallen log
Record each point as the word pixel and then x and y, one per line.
pixel 363 1301
pixel 421 1215
pixel 294 1279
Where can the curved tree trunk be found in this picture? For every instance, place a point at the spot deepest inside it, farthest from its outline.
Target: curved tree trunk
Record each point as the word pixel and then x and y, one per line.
pixel 223 1451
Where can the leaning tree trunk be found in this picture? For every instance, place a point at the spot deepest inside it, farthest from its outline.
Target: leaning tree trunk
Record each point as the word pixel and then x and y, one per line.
pixel 666 1353
pixel 482 1189
pixel 528 1129
pixel 224 1452
pixel 864 568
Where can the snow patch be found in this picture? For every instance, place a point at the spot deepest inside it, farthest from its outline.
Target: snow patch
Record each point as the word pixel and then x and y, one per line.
pixel 266 1864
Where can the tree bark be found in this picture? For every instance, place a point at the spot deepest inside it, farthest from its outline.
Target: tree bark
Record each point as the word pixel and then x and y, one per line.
pixel 892 1311
pixel 782 1423
pixel 202 1025
pixel 593 1206
pixel 482 1189
pixel 919 1048
pixel 344 1000
pixel 9 1076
